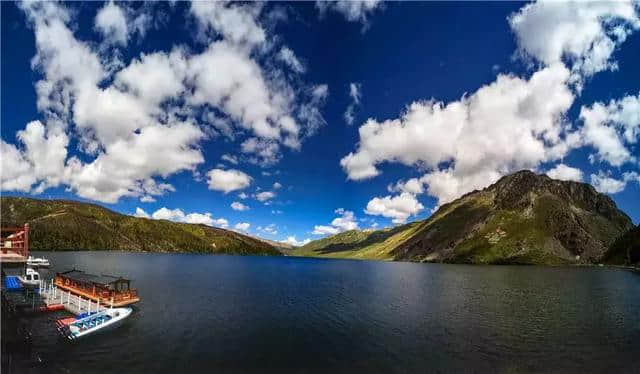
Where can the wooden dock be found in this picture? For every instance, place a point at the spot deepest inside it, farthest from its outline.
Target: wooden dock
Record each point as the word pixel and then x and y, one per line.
pixel 52 295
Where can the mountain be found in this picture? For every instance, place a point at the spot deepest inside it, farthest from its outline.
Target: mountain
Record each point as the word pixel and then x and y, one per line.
pixel 524 218
pixel 626 249
pixel 59 225
pixel 283 247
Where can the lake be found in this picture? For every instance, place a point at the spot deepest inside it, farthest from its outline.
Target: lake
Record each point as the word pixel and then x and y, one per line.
pixel 204 313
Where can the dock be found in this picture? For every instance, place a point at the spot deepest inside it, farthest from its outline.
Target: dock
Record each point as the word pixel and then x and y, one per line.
pixel 53 297
pixel 14 245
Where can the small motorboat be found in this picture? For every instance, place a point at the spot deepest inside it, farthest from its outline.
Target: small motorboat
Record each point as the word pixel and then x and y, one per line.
pixel 31 279
pixel 96 322
pixel 37 262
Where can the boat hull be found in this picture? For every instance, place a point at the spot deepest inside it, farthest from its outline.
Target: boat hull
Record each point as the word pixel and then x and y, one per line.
pixel 29 283
pixel 117 317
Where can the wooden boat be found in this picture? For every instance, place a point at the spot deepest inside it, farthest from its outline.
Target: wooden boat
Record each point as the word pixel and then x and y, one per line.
pixel 105 289
pixel 31 279
pixel 95 323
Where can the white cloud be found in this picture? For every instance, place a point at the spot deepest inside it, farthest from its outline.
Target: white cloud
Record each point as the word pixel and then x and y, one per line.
pixel 292 241
pixel 324 230
pixel 177 215
pixel 508 125
pixel 230 158
pixel 630 176
pixel 355 94
pixel 607 127
pixel 265 195
pixel 239 206
pixel 585 33
pixel 242 226
pixel 270 229
pixel 287 56
pixel 42 159
pixel 243 195
pixel 606 184
pixel 565 173
pixel 147 199
pixel 277 186
pixel 345 222
pixel 236 23
pixel 414 186
pixel 124 115
pixel 140 213
pixel 168 214
pixel 398 208
pixel 227 180
pixel 353 10
pixel 111 21
pixel 221 222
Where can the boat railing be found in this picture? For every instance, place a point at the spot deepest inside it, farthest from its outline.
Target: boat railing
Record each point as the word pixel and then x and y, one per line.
pixel 15 239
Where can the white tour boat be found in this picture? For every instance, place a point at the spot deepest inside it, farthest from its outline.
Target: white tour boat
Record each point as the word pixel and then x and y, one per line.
pixel 31 279
pixel 97 322
pixel 37 261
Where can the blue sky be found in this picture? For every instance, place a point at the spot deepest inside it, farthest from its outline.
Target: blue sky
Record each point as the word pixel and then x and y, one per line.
pixel 133 106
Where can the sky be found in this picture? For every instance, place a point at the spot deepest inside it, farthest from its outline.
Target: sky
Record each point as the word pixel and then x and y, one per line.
pixel 296 120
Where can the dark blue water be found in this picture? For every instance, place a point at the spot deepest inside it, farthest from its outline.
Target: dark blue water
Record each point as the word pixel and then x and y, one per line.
pixel 255 314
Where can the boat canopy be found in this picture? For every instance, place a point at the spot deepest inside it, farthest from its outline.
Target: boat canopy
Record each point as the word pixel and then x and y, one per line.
pixel 105 281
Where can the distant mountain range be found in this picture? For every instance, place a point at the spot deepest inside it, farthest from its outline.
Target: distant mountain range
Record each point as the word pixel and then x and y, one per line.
pixel 59 225
pixel 524 218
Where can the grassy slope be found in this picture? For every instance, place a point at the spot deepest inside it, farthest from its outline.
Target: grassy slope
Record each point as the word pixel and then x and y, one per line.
pixel 517 222
pixel 626 249
pixel 71 225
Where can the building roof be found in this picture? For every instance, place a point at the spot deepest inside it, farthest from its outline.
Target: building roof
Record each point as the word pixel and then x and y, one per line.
pixel 81 276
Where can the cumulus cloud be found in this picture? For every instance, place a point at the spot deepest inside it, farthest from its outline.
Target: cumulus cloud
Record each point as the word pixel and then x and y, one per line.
pixel 292 241
pixel 344 222
pixel 414 186
pixel 604 183
pixel 239 206
pixel 227 180
pixel 277 186
pixel 125 114
pixel 355 94
pixel 565 173
pixel 111 21
pixel 140 213
pixel 609 127
pixel 508 125
pixel 398 208
pixel 583 33
pixel 325 230
pixel 178 215
pixel 265 195
pixel 242 226
pixel 42 159
pixel 513 123
pixel 353 10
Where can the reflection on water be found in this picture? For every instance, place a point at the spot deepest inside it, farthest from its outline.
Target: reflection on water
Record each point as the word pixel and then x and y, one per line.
pixel 239 314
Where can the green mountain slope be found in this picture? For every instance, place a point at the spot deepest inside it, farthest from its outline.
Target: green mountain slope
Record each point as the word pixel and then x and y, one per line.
pixel 523 218
pixel 71 225
pixel 626 249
